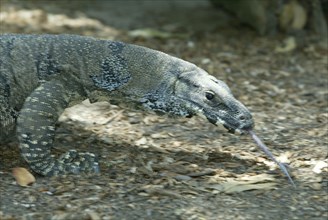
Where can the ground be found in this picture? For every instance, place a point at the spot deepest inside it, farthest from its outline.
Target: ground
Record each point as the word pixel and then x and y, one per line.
pixel 155 167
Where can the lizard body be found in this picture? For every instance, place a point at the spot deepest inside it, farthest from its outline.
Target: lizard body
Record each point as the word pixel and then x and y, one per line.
pixel 41 75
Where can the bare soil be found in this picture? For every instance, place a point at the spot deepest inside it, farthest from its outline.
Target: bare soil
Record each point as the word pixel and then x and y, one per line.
pixel 155 167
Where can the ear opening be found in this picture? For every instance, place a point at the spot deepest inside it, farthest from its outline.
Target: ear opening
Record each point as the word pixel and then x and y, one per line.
pixel 189 78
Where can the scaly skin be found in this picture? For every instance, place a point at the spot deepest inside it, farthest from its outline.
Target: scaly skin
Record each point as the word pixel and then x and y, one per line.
pixel 41 75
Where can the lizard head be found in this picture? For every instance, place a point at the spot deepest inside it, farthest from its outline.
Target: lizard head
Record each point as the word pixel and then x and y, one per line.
pixel 204 95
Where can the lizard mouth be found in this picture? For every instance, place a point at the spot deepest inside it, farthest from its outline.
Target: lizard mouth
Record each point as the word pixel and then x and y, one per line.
pixel 242 129
pixel 233 126
pixel 230 130
pixel 240 123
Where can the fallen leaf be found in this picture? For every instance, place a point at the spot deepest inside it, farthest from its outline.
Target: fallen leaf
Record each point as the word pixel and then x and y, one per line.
pixel 319 166
pixel 93 215
pixel 159 190
pixel 289 45
pixel 245 183
pixel 232 187
pixel 153 33
pixel 257 178
pixel 202 173
pixel 141 141
pixel 23 176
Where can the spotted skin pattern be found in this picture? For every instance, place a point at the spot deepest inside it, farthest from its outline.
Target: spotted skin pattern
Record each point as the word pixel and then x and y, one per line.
pixel 41 75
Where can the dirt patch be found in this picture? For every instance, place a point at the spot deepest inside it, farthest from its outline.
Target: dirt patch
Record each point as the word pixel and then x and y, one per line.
pixel 154 167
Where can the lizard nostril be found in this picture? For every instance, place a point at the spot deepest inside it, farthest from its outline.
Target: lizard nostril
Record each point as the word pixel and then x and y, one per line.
pixel 242 117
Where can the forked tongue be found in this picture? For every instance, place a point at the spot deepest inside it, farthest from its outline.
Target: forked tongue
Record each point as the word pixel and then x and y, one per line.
pixel 269 154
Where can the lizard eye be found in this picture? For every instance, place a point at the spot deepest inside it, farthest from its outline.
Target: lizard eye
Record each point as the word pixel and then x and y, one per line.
pixel 209 95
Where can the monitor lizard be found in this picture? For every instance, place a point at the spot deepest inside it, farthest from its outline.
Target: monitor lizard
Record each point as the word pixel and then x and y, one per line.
pixel 41 75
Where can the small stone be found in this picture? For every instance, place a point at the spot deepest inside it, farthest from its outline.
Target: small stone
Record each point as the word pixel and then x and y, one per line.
pixel 182 177
pixel 316 186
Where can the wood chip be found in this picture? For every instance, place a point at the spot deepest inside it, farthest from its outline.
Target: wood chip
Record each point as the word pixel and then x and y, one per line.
pixel 23 176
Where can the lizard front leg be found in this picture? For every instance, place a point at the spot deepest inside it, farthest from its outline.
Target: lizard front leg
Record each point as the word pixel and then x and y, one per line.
pixel 36 131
